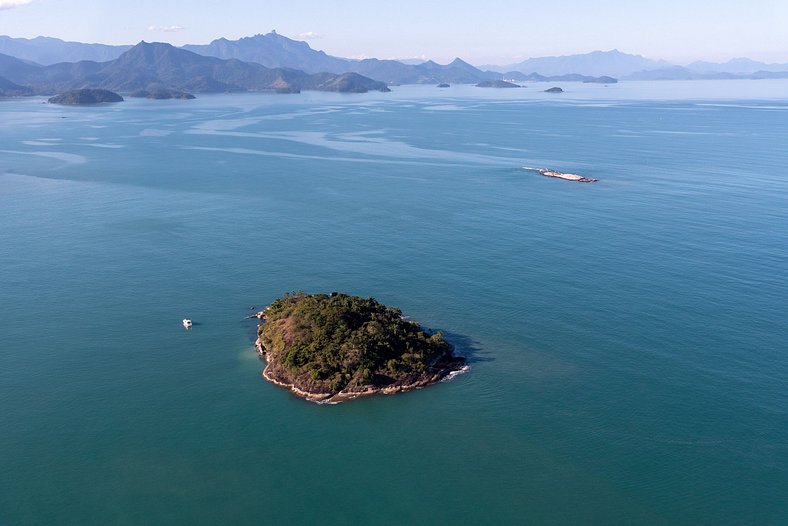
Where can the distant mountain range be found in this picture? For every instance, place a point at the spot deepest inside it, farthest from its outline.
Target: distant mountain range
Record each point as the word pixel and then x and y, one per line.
pixel 612 63
pixel 47 51
pixel 685 73
pixel 739 66
pixel 291 65
pixel 270 50
pixel 155 66
pixel 274 50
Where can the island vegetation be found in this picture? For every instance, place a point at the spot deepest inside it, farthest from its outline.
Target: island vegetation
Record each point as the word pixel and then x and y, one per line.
pixel 497 84
pixel 86 96
pixel 160 93
pixel 334 347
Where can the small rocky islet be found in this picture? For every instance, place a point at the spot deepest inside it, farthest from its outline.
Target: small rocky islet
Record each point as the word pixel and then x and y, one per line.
pixel 334 347
pixel 547 172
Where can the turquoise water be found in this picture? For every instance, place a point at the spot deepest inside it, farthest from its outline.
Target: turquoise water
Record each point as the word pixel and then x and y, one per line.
pixel 627 338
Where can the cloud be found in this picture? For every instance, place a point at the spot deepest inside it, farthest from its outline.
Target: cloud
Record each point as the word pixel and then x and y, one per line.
pixel 164 29
pixel 10 4
pixel 310 35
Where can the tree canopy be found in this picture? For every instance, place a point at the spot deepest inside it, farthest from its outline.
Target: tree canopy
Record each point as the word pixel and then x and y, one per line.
pixel 330 342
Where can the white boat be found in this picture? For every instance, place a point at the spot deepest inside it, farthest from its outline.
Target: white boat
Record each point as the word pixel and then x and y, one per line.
pixel 187 323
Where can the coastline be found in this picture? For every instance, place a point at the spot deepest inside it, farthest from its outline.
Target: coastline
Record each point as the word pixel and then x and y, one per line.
pixel 452 366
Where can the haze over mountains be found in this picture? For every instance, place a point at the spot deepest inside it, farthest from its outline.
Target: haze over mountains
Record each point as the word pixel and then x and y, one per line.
pixel 47 51
pixel 612 63
pixel 158 65
pixel 273 61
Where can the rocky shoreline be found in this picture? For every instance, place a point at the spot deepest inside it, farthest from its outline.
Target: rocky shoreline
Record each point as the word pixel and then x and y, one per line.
pixel 444 368
pixel 560 175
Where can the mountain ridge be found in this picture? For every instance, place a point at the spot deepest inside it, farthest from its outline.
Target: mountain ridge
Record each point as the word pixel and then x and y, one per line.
pixel 273 50
pixel 162 65
pixel 596 63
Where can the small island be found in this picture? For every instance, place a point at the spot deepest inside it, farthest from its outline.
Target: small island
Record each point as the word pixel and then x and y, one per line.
pixel 554 89
pixel 601 80
pixel 86 96
pixel 330 348
pixel 497 84
pixel 161 94
pixel 444 85
pixel 560 175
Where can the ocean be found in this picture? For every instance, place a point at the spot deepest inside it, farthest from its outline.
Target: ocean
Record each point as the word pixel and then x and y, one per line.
pixel 627 338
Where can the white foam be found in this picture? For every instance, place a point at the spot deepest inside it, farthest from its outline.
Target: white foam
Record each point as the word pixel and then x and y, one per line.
pixel 462 370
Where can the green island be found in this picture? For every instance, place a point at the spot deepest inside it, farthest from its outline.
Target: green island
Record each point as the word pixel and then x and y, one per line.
pixel 335 347
pixel 85 96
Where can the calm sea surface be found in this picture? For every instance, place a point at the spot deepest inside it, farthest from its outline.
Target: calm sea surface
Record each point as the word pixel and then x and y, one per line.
pixel 627 338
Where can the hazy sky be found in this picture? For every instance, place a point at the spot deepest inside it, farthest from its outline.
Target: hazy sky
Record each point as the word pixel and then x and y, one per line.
pixel 489 31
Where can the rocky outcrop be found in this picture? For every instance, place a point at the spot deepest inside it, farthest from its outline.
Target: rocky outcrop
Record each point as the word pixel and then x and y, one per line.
pixel 560 175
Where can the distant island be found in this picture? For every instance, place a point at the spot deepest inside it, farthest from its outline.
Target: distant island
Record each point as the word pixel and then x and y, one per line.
pixel 335 347
pixel 601 80
pixel 443 85
pixel 497 84
pixel 161 94
pixel 554 89
pixel 85 96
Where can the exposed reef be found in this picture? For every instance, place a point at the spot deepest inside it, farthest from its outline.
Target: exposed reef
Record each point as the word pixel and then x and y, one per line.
pixel 560 175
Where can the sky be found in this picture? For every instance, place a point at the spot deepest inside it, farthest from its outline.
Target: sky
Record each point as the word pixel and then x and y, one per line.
pixel 481 32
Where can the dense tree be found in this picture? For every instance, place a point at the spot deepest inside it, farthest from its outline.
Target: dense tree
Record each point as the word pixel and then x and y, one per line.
pixel 330 342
